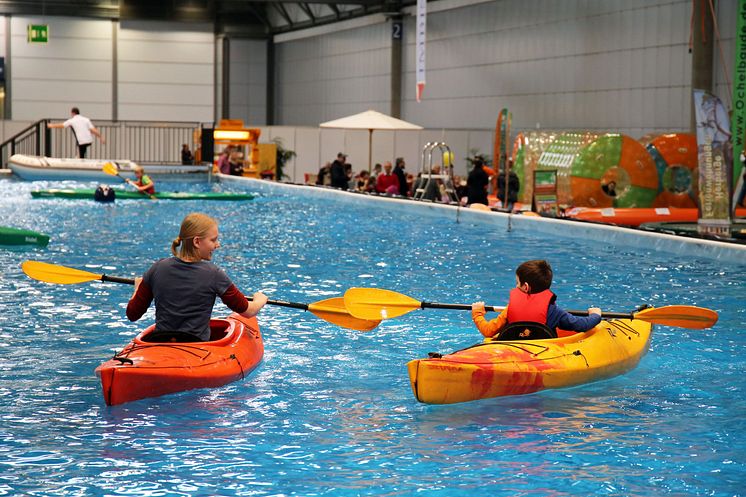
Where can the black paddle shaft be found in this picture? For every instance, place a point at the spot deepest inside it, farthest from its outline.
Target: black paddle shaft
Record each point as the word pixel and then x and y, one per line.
pixel 466 307
pixel 117 279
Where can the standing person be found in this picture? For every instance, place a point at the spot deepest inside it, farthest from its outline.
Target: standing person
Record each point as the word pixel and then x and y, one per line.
pixel 476 183
pixel 531 301
pixel 224 164
pixel 142 182
pixel 83 130
pixel 402 176
pixel 185 286
pixel 187 159
pixel 514 184
pixel 338 172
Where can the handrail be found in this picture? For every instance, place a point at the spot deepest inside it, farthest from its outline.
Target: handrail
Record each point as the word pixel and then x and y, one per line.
pixel 149 142
pixel 12 138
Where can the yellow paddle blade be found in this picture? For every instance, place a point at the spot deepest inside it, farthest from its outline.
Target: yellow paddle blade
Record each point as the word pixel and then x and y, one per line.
pixel 110 168
pixel 683 316
pixel 52 273
pixel 376 303
pixel 334 311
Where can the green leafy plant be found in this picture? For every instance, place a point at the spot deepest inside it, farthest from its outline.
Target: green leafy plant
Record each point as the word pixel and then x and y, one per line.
pixel 283 156
pixel 473 154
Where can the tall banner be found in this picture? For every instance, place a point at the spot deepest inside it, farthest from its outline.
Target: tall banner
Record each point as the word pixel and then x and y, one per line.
pixel 420 46
pixel 713 144
pixel 739 108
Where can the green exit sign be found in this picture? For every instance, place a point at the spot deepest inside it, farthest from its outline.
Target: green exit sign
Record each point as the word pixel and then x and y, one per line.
pixel 38 33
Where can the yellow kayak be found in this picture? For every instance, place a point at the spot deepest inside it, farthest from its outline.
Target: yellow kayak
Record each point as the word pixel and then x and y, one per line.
pixel 498 368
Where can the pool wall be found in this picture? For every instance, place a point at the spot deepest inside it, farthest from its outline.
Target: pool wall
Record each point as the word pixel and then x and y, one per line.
pixel 619 237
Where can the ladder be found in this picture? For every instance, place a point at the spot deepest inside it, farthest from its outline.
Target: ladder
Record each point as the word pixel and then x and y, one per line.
pixel 435 184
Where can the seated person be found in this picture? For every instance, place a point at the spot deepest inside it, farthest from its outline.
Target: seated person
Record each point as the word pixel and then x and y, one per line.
pixel 532 301
pixel 142 182
pixel 235 164
pixel 324 176
pixel 387 182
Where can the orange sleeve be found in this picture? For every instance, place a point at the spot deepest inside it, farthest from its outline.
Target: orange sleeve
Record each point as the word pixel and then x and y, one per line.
pixel 488 170
pixel 489 328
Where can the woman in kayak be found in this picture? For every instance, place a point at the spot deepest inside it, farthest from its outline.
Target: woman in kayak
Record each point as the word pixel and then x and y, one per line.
pixel 532 301
pixel 185 286
pixel 142 182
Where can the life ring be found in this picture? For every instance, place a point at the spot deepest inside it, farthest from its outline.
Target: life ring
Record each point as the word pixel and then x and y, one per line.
pixel 675 157
pixel 613 171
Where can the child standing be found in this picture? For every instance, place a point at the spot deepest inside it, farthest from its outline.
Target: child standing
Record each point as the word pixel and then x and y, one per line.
pixel 185 286
pixel 531 300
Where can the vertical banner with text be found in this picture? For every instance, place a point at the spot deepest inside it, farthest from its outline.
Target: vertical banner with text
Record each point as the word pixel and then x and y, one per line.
pixel 739 106
pixel 420 46
pixel 713 142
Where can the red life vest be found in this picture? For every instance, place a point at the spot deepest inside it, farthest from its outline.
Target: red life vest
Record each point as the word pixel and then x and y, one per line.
pixel 145 181
pixel 529 306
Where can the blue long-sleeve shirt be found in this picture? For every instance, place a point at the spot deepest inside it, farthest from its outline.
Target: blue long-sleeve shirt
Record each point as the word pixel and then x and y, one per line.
pixel 559 318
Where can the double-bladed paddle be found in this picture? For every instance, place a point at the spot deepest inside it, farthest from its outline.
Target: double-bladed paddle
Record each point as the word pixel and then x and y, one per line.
pixel 376 303
pixel 331 310
pixel 111 169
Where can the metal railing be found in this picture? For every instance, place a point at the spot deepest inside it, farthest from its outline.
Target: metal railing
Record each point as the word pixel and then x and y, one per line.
pixel 30 141
pixel 144 142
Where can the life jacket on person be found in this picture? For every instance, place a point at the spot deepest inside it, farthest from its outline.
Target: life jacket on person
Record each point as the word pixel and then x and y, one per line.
pixel 527 316
pixel 146 181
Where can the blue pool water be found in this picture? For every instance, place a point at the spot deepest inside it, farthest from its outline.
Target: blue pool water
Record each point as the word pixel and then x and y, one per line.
pixel 330 411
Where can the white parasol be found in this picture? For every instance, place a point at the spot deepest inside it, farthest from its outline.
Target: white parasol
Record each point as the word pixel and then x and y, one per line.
pixel 370 120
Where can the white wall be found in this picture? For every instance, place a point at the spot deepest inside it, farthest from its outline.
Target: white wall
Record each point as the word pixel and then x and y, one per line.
pixel 613 65
pixel 248 80
pixel 73 69
pixel 165 71
pixel 324 77
pixel 315 146
pixel 618 65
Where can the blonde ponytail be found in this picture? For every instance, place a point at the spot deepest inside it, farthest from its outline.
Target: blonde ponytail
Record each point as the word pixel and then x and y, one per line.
pixel 194 225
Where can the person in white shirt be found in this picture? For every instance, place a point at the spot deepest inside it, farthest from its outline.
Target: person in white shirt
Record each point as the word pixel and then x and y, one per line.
pixel 83 130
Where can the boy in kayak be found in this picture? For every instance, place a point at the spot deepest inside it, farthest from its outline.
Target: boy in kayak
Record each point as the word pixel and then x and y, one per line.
pixel 185 286
pixel 142 182
pixel 532 301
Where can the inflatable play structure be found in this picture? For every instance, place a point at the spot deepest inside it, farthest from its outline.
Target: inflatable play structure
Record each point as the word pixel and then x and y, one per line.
pixel 675 157
pixel 603 170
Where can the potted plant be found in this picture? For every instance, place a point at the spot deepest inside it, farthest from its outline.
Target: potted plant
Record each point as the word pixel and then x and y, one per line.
pixel 283 156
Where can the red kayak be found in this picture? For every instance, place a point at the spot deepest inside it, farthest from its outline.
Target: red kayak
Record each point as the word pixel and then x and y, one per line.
pixel 638 216
pixel 146 368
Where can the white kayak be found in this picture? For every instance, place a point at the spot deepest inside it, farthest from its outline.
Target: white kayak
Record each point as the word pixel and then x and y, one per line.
pixel 34 167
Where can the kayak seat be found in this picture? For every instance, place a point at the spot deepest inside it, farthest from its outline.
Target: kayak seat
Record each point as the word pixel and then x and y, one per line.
pixel 218 330
pixel 525 330
pixel 170 337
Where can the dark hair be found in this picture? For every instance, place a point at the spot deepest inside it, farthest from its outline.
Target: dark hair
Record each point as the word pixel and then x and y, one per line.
pixel 478 162
pixel 75 110
pixel 399 160
pixel 537 273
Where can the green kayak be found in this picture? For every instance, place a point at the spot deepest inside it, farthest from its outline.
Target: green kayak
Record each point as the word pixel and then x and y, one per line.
pixel 15 236
pixel 127 194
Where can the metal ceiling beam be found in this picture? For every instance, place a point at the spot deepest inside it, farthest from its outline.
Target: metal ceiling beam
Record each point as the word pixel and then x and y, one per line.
pixel 283 12
pixel 307 10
